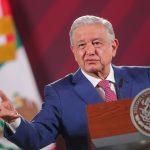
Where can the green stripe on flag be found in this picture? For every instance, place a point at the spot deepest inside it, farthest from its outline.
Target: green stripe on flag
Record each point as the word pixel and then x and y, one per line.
pixel 18 44
pixel 18 41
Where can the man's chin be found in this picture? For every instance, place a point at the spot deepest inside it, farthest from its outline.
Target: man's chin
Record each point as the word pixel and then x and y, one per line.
pixel 93 70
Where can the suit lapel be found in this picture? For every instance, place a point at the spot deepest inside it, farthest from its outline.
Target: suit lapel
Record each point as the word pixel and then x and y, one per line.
pixel 88 93
pixel 85 89
pixel 123 83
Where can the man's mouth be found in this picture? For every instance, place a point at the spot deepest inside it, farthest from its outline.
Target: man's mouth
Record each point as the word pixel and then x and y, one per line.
pixel 91 60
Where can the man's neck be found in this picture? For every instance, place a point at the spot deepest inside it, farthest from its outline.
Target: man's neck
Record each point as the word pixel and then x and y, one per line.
pixel 103 74
pixel 94 79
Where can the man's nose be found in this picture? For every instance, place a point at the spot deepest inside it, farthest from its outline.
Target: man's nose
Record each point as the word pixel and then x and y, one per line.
pixel 90 49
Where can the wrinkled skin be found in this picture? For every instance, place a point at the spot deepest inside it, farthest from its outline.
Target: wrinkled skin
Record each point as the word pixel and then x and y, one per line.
pixel 7 110
pixel 93 49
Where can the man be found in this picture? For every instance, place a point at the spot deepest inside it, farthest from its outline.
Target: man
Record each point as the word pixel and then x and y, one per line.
pixel 93 44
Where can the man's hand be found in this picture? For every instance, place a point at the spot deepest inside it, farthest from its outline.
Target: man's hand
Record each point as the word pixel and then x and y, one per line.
pixel 7 110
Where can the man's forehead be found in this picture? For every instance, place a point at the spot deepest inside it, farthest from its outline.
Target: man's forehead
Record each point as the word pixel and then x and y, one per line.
pixel 89 30
pixel 92 39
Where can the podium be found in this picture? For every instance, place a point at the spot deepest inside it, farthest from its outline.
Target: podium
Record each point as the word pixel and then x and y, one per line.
pixel 111 128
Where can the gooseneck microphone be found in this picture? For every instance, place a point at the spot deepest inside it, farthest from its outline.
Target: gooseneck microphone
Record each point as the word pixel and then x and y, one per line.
pixel 121 83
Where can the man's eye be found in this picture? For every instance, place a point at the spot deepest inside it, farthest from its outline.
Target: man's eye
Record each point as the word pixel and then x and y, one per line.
pixel 96 43
pixel 81 46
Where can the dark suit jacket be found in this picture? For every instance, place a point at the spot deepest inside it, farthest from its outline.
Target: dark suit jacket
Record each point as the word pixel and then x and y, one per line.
pixel 63 111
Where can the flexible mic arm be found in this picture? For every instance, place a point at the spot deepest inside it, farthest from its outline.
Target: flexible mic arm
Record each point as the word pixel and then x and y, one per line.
pixel 121 83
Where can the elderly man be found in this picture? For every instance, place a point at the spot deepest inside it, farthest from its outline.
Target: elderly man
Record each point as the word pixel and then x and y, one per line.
pixel 93 44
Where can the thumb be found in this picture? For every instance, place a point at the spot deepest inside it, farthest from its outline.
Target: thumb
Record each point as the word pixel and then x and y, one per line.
pixel 3 96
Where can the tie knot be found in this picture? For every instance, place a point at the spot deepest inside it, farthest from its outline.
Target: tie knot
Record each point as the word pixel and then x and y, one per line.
pixel 103 84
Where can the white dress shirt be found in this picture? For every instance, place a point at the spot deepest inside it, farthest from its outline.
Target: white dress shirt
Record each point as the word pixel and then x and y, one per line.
pixel 94 81
pixel 14 125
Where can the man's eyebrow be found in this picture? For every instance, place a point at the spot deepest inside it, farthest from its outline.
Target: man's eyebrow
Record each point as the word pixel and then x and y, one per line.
pixel 100 39
pixel 80 41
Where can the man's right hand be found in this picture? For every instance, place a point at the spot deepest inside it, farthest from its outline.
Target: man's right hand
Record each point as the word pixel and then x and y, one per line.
pixel 7 111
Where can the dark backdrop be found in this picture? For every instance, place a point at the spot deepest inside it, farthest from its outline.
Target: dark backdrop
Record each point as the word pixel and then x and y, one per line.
pixel 43 26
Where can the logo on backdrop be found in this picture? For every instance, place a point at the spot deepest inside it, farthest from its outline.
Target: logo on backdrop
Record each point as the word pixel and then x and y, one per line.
pixel 140 112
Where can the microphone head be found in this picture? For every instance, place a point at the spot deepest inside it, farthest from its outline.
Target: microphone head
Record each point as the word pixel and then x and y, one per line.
pixel 121 83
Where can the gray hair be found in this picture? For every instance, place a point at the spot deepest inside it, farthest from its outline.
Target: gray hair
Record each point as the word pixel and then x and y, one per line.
pixel 89 19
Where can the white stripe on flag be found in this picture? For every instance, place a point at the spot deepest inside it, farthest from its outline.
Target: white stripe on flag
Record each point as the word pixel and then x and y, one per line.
pixel 1 11
pixel 3 40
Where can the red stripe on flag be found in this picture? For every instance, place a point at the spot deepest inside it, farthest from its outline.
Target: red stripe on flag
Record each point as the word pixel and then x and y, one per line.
pixel 5 7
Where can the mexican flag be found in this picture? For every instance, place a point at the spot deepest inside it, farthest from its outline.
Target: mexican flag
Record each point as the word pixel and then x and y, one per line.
pixel 16 77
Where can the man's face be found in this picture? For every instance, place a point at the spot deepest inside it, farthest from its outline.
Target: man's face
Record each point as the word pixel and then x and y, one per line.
pixel 93 49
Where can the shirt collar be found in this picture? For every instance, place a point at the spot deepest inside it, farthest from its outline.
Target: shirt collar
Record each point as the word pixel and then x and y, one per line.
pixel 95 81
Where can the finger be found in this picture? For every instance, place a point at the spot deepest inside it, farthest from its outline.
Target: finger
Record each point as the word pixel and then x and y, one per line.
pixel 8 115
pixel 3 96
pixel 9 119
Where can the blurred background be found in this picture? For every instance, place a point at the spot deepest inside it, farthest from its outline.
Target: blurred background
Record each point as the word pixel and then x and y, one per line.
pixel 43 26
pixel 34 42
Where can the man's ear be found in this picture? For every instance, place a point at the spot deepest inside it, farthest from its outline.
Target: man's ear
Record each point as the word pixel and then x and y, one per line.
pixel 115 45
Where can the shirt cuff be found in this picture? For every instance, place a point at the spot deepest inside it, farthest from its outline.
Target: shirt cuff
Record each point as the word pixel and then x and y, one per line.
pixel 14 125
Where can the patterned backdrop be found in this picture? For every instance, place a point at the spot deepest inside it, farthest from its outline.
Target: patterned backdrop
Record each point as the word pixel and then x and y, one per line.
pixel 43 26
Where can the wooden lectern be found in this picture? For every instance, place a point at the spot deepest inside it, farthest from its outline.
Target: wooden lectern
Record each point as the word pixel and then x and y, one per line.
pixel 110 127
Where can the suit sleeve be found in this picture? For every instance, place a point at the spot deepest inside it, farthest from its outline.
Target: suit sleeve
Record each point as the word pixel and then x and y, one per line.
pixel 43 129
pixel 149 73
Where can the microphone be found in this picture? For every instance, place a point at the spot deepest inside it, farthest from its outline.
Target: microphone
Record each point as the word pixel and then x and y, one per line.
pixel 121 83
